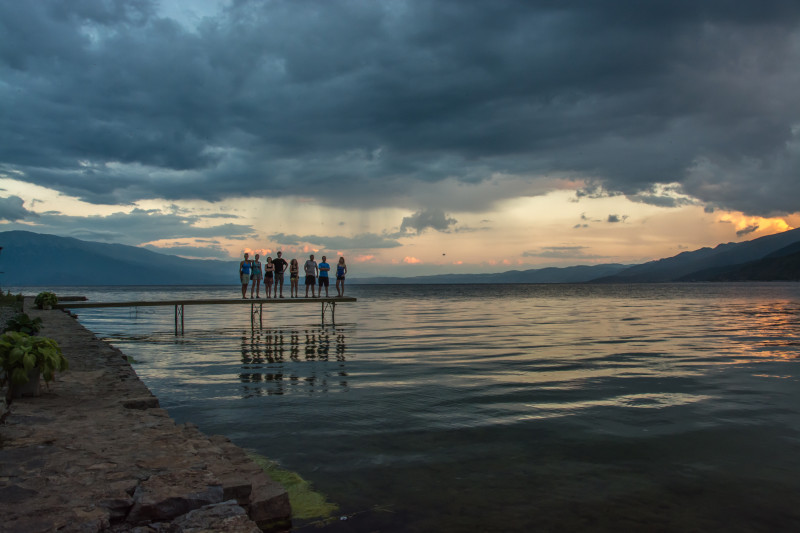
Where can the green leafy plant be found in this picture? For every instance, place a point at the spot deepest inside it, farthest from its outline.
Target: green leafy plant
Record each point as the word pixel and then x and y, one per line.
pixel 20 353
pixel 45 298
pixel 23 323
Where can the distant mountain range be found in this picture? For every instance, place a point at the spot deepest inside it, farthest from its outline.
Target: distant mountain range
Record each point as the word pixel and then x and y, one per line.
pixel 29 258
pixel 33 259
pixel 782 265
pixel 710 264
pixel 575 274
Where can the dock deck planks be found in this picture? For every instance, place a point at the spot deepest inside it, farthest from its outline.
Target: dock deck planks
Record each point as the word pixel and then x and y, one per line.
pixel 256 305
pixel 209 301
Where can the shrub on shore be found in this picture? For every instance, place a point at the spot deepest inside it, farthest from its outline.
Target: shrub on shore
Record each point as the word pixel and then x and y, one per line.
pixel 23 323
pixel 20 353
pixel 45 299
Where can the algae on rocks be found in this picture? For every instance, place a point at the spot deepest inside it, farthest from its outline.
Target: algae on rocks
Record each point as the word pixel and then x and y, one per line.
pixel 307 504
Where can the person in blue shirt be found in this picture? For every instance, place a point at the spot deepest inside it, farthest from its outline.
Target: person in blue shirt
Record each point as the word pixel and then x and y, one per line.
pixel 324 268
pixel 256 277
pixel 341 271
pixel 244 273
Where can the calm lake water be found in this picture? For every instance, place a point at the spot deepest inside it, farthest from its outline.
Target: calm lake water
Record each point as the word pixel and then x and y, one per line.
pixel 500 407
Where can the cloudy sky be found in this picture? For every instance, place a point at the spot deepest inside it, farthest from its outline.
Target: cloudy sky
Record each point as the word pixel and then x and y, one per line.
pixel 413 137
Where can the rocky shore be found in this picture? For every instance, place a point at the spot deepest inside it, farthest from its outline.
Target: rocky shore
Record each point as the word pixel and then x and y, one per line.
pixel 95 452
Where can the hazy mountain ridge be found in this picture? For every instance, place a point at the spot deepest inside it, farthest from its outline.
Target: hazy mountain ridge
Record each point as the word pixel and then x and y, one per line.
pixel 31 258
pixel 692 265
pixel 37 259
pixel 781 265
pixel 575 274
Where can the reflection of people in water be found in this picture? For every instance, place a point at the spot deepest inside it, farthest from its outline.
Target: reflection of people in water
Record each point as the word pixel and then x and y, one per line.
pixel 264 368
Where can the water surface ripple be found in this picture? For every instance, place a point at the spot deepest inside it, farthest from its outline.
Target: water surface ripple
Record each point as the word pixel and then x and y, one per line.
pixel 500 408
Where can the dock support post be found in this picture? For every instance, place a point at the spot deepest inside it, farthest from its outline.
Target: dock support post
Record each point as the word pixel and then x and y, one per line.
pixel 178 313
pixel 259 312
pixel 332 307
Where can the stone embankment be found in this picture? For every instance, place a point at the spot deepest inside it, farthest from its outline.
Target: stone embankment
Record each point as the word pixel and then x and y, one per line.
pixel 95 452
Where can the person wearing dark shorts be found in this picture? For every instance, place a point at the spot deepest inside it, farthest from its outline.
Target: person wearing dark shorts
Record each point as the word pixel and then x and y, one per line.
pixel 324 268
pixel 294 278
pixel 310 268
pixel 341 271
pixel 269 271
pixel 256 276
pixel 280 267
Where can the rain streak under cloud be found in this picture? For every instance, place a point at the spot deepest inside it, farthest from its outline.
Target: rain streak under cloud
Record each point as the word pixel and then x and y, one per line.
pixel 389 124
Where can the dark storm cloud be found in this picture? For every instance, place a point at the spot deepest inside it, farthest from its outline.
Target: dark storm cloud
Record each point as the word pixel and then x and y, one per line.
pixel 11 209
pixel 427 219
pixel 746 231
pixel 593 191
pixel 660 200
pixel 107 101
pixel 136 227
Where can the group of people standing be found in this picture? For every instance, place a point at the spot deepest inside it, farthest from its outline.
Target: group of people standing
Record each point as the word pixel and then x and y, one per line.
pixel 252 273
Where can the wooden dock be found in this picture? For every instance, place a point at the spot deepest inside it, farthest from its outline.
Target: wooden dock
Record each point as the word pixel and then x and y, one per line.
pixel 256 305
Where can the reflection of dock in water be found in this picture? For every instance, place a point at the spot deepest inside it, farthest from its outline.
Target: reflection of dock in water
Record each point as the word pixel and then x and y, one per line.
pixel 274 360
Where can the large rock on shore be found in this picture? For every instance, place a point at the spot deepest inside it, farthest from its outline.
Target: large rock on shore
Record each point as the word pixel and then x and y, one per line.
pixel 166 496
pixel 94 452
pixel 227 516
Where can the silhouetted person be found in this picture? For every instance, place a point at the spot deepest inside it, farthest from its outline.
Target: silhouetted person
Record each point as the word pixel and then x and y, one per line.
pixel 280 267
pixel 310 268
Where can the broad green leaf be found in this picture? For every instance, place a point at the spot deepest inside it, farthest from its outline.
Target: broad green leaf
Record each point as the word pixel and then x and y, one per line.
pixel 29 361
